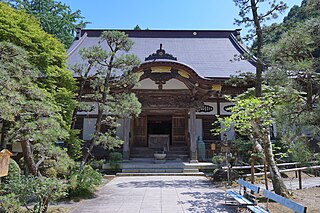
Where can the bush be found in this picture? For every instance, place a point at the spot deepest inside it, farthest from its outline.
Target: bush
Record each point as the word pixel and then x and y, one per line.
pixel 218 160
pixel 14 171
pixel 9 203
pixel 28 189
pixel 82 182
pixel 300 152
pixel 57 163
pixel 97 164
pixel 115 159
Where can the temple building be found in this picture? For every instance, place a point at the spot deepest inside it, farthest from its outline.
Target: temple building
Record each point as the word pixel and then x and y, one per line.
pixel 182 89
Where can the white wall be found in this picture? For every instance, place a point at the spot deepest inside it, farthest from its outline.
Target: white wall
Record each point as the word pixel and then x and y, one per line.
pixel 198 127
pixel 222 106
pixel 213 112
pixel 171 84
pixel 89 125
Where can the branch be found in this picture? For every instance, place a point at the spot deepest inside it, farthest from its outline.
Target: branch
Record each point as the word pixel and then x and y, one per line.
pixel 277 7
pixel 40 161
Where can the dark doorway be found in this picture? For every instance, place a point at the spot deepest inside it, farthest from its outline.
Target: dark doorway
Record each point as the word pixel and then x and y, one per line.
pixel 159 125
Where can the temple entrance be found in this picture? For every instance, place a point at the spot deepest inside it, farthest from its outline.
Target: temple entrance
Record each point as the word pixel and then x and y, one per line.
pixel 159 132
pixel 159 124
pixel 166 130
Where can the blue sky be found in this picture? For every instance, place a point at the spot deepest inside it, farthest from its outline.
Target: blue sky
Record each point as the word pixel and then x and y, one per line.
pixel 161 14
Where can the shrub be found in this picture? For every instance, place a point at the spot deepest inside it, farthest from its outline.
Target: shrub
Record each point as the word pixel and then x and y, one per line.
pixel 9 203
pixel 218 160
pixel 57 163
pixel 97 164
pixel 115 159
pixel 82 182
pixel 14 171
pixel 39 190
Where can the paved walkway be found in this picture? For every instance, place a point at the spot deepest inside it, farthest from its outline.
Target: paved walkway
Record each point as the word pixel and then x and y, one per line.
pixel 151 194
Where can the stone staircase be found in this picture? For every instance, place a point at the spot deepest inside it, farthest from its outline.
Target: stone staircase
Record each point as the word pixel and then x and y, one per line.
pixel 146 166
pixel 175 152
pixel 142 162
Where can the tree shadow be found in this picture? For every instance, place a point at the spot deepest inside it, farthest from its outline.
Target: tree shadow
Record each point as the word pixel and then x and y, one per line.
pixel 167 184
pixel 193 200
pixel 207 202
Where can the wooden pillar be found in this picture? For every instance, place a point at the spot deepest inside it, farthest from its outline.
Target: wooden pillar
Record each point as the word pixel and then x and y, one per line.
pixel 252 170
pixel 300 180
pixel 193 137
pixel 126 138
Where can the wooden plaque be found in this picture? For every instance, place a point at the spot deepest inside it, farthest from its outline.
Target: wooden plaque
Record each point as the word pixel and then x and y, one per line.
pixel 4 162
pixel 213 146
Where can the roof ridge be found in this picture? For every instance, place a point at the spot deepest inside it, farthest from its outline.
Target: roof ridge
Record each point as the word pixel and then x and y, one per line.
pixel 76 46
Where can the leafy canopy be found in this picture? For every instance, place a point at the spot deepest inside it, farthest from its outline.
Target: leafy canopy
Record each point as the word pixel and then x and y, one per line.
pixel 55 17
pixel 45 52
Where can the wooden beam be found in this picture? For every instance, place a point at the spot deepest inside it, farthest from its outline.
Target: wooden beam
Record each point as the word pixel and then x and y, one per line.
pixel 126 138
pixel 193 139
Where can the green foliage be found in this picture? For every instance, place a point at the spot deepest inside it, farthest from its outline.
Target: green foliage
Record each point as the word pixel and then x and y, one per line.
pixel 115 159
pixel 299 152
pixel 36 189
pixel 295 63
pixel 9 203
pixel 75 144
pixel 218 160
pixel 112 71
pixel 82 183
pixel 244 148
pixel 248 111
pixel 273 8
pixel 31 109
pixel 56 18
pixel 97 164
pixel 297 15
pixel 13 173
pixel 109 140
pixel 137 27
pixel 56 162
pixel 44 52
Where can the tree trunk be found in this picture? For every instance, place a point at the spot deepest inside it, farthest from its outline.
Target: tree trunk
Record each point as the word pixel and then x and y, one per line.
pixel 75 111
pixel 100 112
pixel 4 131
pixel 94 138
pixel 277 182
pixel 28 157
pixel 309 91
pixel 259 64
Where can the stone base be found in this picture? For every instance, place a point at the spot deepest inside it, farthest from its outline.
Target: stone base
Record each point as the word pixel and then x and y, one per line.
pixel 193 157
pixel 160 161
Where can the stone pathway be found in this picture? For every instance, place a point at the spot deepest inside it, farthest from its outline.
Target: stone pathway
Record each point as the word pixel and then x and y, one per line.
pixel 155 194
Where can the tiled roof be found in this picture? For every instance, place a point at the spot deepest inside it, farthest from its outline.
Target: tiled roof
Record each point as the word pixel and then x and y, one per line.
pixel 210 53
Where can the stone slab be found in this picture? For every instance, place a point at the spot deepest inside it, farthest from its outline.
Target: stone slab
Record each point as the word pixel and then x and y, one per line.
pixel 157 194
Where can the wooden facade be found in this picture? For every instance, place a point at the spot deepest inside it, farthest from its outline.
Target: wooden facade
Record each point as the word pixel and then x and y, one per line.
pixel 181 91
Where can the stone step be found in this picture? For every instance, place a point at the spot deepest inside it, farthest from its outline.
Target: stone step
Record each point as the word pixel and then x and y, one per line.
pixel 174 157
pixel 135 155
pixel 178 152
pixel 190 170
pixel 179 148
pixel 153 170
pixel 160 174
